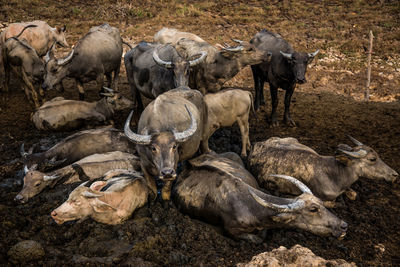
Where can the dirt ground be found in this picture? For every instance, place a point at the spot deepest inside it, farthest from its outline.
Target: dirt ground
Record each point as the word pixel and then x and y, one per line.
pixel 326 109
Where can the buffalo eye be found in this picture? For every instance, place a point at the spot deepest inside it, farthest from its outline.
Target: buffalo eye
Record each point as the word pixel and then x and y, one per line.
pixel 174 147
pixel 37 184
pixel 372 159
pixel 53 70
pixel 153 148
pixel 313 209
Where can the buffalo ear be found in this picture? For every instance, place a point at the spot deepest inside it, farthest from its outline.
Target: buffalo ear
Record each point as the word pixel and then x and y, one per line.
pixel 97 186
pixel 100 206
pixel 344 159
pixel 284 218
pixel 16 61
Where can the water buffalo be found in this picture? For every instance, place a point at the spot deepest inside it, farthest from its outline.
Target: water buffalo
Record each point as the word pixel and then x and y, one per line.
pixel 39 38
pixel 20 58
pixel 170 130
pixel 286 68
pixel 220 65
pixel 96 54
pixel 60 114
pixel 172 36
pixel 110 202
pixel 220 191
pixel 224 109
pixel 153 69
pixel 88 168
pixel 76 147
pixel 327 176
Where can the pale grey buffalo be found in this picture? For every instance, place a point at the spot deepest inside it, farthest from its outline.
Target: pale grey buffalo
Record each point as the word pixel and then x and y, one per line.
pixel 327 176
pixel 172 36
pixel 170 130
pixel 285 69
pixel 221 191
pixel 220 65
pixel 76 147
pixel 96 54
pixel 19 57
pixel 88 168
pixel 111 202
pixel 60 114
pixel 153 69
pixel 226 107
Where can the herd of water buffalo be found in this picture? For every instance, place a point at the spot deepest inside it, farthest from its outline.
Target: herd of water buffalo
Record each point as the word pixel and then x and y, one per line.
pixel 167 158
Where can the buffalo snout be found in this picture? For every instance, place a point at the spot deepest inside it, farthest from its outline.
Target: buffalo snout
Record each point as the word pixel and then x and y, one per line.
pixel 44 86
pixel 20 199
pixel 168 174
pixel 301 80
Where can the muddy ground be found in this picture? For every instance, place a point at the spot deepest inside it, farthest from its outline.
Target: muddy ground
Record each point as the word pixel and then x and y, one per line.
pixel 326 109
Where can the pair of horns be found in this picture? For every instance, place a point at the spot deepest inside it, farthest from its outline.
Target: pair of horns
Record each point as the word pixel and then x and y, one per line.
pixel 354 154
pixel 146 139
pixel 60 62
pixel 291 207
pixel 168 64
pixel 110 92
pixel 289 56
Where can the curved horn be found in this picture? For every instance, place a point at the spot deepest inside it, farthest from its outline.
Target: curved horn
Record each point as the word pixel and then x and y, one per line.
pixel 294 181
pixel 136 138
pixel 108 89
pixel 26 170
pixel 90 194
pixel 67 59
pixel 313 54
pixel 185 135
pixel 237 41
pixel 83 184
pixel 159 61
pixel 286 55
pixel 234 49
pixel 22 151
pixel 355 141
pixel 194 62
pixel 107 94
pixel 50 177
pixel 355 154
pixel 47 57
pixel 291 207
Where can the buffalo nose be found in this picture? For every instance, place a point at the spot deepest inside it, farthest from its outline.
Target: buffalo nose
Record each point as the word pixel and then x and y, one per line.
pixel 395 176
pixel 167 173
pixel 44 86
pixel 53 213
pixel 19 198
pixel 301 81
pixel 343 226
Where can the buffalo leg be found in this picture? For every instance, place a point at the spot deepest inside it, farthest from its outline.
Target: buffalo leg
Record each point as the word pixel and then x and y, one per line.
pixel 29 88
pixel 258 87
pixel 286 117
pixel 109 80
pixel 100 82
pixel 116 79
pixel 274 102
pixel 244 130
pixel 81 90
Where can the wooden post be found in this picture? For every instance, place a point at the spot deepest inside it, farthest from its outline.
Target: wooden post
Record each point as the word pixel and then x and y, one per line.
pixel 366 94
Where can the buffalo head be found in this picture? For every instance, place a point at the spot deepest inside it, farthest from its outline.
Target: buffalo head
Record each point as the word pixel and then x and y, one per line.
pixel 298 62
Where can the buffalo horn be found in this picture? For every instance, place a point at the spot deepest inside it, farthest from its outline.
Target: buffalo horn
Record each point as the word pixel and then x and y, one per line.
pixel 234 49
pixel 90 194
pixel 26 170
pixel 355 154
pixel 294 181
pixel 194 62
pixel 108 89
pixel 67 59
pixel 107 94
pixel 313 54
pixel 47 56
pixel 136 138
pixel 291 207
pixel 286 55
pixel 50 177
pixel 185 135
pixel 22 151
pixel 355 141
pixel 159 61
pixel 237 41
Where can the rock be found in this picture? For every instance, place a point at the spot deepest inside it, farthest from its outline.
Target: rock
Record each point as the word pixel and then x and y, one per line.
pixel 26 251
pixel 296 256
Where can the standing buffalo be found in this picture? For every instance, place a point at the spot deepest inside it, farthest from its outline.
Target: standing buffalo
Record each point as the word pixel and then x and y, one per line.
pixel 220 65
pixel 60 114
pixel 286 68
pixel 221 191
pixel 154 69
pixel 110 202
pixel 172 36
pixel 327 176
pixel 20 58
pixel 96 54
pixel 170 130
pixel 88 168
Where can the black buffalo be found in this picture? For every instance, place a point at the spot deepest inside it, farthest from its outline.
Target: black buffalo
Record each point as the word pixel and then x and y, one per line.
pixel 286 68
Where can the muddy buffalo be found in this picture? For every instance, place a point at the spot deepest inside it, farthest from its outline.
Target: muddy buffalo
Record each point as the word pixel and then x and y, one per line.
pixel 286 69
pixel 327 176
pixel 88 168
pixel 221 191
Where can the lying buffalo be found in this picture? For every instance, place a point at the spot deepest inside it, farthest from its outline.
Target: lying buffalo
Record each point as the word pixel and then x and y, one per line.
pixel 88 168
pixel 224 109
pixel 60 114
pixel 76 147
pixel 327 176
pixel 221 191
pixel 96 54
pixel 172 36
pixel 19 57
pixel 170 130
pixel 111 202
pixel 285 69
pixel 153 69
